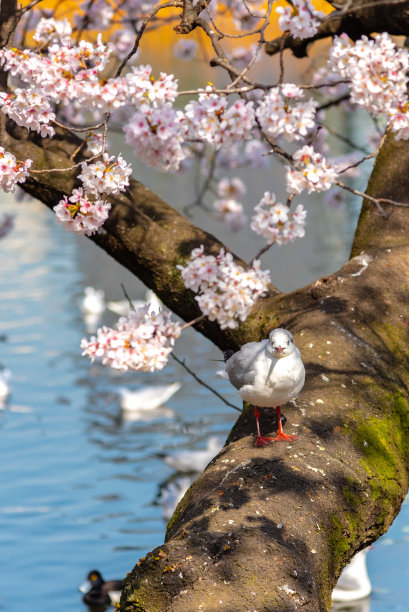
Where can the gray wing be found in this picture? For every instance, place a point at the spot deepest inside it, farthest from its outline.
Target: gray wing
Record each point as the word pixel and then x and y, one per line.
pixel 241 367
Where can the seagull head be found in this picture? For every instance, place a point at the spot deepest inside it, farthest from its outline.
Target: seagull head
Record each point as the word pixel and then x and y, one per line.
pixel 281 343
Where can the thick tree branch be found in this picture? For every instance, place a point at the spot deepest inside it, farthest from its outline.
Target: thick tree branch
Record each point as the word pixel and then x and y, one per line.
pixel 143 232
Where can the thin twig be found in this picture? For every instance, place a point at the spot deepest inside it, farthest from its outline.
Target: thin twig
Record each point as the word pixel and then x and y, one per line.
pixel 141 30
pixel 268 246
pixel 199 197
pixel 376 201
pixel 201 382
pixel 343 139
pixel 199 318
pixel 369 156
pixel 131 306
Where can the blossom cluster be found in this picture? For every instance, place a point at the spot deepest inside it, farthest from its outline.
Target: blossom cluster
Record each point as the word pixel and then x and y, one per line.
pixel 311 171
pixel 106 176
pixel 280 113
pixel 211 120
pixel 231 212
pixel 157 136
pixel 52 30
pixel 301 19
pixel 80 214
pixel 185 49
pixel 142 87
pixel 226 291
pixel 84 212
pixel 378 74
pixel 142 341
pixel 11 170
pixel 29 108
pixel 275 221
pixel 228 208
pixel 246 15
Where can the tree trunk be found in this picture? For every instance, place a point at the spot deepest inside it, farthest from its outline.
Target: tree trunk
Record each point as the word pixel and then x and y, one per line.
pixel 271 528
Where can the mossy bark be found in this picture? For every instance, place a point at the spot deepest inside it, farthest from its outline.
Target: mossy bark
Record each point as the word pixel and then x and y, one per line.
pixel 271 528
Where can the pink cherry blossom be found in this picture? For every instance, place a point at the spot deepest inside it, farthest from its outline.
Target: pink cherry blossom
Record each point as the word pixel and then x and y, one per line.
pixel 301 20
pixel 106 176
pixel 275 221
pixel 11 170
pixel 281 114
pixel 311 171
pixel 231 212
pixel 226 291
pixel 142 341
pixel 80 214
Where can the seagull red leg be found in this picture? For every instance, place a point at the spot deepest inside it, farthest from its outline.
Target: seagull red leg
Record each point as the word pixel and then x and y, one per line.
pixel 260 440
pixel 281 435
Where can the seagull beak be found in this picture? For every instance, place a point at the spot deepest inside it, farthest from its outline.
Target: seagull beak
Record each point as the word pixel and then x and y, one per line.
pixel 279 350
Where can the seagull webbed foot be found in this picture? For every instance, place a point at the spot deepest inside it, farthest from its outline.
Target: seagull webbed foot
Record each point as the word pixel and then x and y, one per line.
pixel 262 441
pixel 282 436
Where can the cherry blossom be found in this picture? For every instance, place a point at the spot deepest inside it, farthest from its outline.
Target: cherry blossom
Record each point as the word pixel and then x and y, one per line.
pixel 376 68
pixel 98 14
pixel 275 221
pixel 231 188
pixel 280 113
pixel 212 121
pixel 185 49
pixel 52 30
pixel 11 170
pixel 226 290
pixel 106 176
pixel 123 42
pixel 399 120
pixel 230 211
pixel 240 57
pixel 301 20
pixel 245 15
pixel 29 108
pixel 94 143
pixel 142 341
pixel 142 87
pixel 311 171
pixel 80 214
pixel 157 136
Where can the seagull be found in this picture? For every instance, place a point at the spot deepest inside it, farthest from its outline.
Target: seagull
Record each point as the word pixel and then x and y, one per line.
pixel 123 308
pixel 353 583
pixel 93 301
pixel 92 306
pixel 98 592
pixel 147 398
pixel 267 373
pixel 195 461
pixel 172 491
pixel 5 376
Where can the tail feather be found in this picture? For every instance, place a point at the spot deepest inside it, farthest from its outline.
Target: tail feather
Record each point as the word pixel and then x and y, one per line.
pixel 227 354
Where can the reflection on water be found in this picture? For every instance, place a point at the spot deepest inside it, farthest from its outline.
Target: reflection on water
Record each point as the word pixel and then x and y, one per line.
pixel 364 605
pixel 79 481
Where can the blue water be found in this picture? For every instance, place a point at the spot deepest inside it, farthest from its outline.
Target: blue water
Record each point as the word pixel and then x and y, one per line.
pixel 78 485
